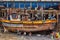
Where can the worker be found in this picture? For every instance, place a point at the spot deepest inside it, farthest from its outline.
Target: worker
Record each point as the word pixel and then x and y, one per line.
pixel 52 36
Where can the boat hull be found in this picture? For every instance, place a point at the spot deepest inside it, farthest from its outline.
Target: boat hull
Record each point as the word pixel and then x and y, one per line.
pixel 30 28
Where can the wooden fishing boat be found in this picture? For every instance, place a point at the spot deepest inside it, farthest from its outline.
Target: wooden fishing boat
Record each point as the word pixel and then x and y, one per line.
pixel 14 22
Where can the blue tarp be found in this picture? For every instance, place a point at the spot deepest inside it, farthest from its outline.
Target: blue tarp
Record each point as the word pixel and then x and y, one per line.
pixel 40 4
pixel 9 4
pixel 27 4
pixel 34 4
pixel 21 4
pixel 16 4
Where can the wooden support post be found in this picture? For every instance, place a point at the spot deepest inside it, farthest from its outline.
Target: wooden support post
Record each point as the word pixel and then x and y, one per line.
pixel 30 34
pixel 5 30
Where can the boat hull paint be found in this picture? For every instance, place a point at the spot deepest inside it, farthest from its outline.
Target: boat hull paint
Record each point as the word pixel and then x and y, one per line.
pixel 30 28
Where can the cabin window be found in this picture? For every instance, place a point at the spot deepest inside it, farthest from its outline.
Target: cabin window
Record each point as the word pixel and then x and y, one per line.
pixel 4 15
pixel 34 17
pixel 0 14
pixel 59 18
pixel 14 16
pixel 52 16
pixel 45 16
